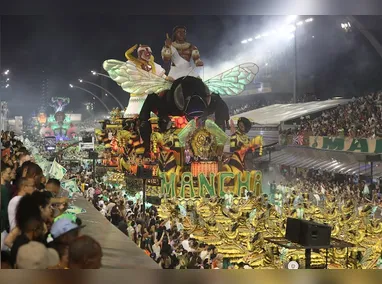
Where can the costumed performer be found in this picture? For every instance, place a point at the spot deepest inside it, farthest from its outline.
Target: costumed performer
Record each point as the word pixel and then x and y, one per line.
pixel 179 52
pixel 278 201
pixel 239 137
pixel 145 61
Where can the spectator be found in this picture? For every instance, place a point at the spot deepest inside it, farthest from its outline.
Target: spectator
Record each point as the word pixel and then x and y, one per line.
pixel 360 118
pixel 5 199
pixel 64 231
pixel 26 186
pixel 85 253
pixel 35 255
pixel 32 229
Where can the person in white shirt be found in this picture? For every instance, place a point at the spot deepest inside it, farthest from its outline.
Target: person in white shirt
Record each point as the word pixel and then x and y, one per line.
pixel 366 191
pixel 110 206
pixel 168 224
pixel 185 243
pixel 179 225
pixel 131 230
pixel 103 210
pixel 90 192
pixel 204 253
pixel 26 186
pixel 101 202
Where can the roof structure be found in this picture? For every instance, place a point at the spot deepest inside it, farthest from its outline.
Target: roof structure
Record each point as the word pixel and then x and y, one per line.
pixel 278 113
pixel 331 161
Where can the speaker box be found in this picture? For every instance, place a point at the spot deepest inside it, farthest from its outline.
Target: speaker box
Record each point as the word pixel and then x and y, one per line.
pixel 144 173
pixel 308 233
pixel 93 155
pixel 374 158
pixel 293 230
pixel 87 139
pixel 155 200
pixel 314 234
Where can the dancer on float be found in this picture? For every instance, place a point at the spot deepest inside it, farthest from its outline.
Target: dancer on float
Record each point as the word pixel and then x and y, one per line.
pixel 145 60
pixel 179 52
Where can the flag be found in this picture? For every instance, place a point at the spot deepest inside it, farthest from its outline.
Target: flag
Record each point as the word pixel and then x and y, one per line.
pixel 75 210
pixel 70 185
pixel 298 140
pixel 57 171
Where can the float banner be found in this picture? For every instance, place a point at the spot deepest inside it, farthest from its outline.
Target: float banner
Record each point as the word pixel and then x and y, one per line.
pixel 186 185
pixel 355 145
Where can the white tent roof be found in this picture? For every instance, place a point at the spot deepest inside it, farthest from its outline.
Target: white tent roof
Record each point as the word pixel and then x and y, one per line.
pixel 275 114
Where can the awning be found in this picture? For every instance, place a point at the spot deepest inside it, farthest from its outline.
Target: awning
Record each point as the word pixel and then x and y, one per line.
pixel 275 114
pixel 338 162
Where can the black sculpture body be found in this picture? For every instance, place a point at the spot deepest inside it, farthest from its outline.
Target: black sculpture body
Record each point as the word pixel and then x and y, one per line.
pixel 188 97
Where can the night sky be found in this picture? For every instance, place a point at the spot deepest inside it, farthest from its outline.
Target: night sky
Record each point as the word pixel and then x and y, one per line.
pixel 63 49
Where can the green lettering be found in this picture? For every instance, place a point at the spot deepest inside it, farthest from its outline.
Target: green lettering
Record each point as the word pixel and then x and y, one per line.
pixel 168 187
pixel 378 146
pixel 359 145
pixel 333 143
pixel 187 182
pixel 205 185
pixel 221 177
pixel 243 181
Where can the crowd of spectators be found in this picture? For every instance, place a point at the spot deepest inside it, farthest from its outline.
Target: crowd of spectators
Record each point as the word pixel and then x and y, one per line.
pixel 322 183
pixel 360 118
pixel 165 241
pixel 35 231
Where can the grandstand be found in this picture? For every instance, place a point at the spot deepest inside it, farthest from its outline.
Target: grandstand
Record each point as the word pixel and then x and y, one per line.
pixel 272 120
pixel 280 114
pixel 269 120
pixel 330 161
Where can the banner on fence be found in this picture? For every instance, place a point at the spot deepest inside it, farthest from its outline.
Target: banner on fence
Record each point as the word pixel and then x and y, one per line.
pixel 356 145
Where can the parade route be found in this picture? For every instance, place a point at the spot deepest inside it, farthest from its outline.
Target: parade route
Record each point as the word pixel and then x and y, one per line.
pixel 118 250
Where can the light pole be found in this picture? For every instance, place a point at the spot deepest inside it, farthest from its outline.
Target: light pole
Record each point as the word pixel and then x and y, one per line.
pixel 102 88
pixel 99 74
pixel 87 91
pixel 295 68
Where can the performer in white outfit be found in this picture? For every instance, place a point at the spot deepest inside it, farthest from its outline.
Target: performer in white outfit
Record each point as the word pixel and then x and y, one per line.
pixel 180 52
pixel 146 62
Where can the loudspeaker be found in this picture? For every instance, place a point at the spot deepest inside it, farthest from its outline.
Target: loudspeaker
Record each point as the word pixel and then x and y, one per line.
pixel 93 155
pixel 308 233
pixel 374 158
pixel 87 139
pixel 314 234
pixel 293 230
pixel 155 200
pixel 144 173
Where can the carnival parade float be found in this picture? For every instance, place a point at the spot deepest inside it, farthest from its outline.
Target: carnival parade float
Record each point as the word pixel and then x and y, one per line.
pixel 178 134
pixel 58 124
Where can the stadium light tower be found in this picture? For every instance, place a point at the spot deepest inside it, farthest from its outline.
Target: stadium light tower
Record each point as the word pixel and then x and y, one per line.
pixel 289 30
pixel 346 27
pixel 4 79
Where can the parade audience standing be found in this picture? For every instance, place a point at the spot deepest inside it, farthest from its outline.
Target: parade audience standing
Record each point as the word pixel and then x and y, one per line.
pixel 360 118
pixel 5 199
pixel 30 239
pixel 163 240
